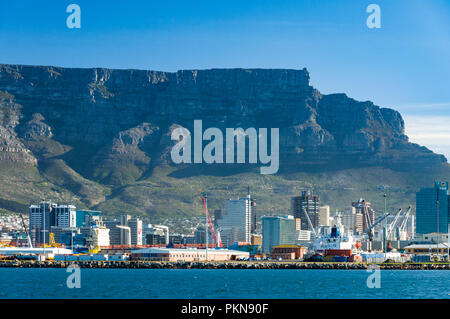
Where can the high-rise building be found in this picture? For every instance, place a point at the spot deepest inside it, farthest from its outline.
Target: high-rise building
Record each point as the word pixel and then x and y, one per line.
pixel 309 203
pixel 351 220
pixel 324 216
pixel 432 208
pixel 135 225
pixel 238 222
pixel 65 216
pixel 42 217
pixel 114 231
pixel 125 231
pixel 277 230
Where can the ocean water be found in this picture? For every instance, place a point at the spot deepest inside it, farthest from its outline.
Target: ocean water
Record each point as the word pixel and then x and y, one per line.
pixel 222 283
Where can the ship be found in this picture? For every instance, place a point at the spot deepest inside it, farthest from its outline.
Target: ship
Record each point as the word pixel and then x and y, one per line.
pixel 335 240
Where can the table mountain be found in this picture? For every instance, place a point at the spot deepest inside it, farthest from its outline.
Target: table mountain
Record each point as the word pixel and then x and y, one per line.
pixel 101 138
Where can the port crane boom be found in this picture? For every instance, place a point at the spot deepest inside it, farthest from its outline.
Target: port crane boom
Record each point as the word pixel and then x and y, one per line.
pixel 392 225
pixel 310 223
pixel 376 223
pixel 370 225
pixel 401 230
pixel 368 220
pixel 405 219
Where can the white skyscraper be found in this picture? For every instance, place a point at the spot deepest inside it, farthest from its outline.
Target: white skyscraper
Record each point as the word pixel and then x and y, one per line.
pixel 237 223
pixel 324 216
pixel 135 225
pixel 125 231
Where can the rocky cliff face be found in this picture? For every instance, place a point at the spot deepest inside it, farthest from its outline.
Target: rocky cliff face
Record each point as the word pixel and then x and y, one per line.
pixel 113 126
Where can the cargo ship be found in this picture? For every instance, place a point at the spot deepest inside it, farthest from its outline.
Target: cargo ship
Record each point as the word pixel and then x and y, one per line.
pixel 335 240
pixel 336 246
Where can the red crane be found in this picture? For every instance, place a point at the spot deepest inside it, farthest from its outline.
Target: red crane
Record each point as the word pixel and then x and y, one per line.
pixel 218 243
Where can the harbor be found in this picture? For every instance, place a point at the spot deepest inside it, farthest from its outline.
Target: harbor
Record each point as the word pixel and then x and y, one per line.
pixel 222 265
pixel 309 237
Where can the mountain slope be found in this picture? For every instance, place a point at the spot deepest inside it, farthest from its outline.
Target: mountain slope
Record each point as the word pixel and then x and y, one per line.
pixel 101 139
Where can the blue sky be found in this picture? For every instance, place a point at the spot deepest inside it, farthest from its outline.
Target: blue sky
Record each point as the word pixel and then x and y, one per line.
pixel 404 65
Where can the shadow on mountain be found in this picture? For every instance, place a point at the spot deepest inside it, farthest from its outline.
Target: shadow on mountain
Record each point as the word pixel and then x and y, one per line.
pixel 213 170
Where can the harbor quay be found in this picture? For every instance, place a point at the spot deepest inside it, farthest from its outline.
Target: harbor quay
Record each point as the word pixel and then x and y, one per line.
pixel 222 265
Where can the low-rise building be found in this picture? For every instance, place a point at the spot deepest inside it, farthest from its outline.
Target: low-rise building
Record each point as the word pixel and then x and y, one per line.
pixel 426 249
pixel 288 252
pixel 432 238
pixel 187 254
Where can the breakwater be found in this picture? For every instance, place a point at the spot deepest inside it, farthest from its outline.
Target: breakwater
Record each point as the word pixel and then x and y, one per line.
pixel 219 265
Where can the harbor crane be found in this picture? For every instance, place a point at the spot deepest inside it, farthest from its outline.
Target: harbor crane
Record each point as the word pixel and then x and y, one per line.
pixel 369 230
pixel 402 229
pixel 391 227
pixel 368 221
pixel 217 242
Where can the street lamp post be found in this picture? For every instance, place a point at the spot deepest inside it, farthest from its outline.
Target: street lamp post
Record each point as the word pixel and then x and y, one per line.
pixel 448 242
pixel 206 226
pixel 437 222
pixel 45 210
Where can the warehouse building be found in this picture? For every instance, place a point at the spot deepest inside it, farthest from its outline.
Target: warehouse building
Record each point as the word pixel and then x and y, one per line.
pixel 426 249
pixel 187 254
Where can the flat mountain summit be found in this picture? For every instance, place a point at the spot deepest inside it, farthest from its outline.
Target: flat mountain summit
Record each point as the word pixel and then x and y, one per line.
pixel 101 138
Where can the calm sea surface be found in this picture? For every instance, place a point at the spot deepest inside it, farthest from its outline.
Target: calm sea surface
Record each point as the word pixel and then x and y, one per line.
pixel 222 283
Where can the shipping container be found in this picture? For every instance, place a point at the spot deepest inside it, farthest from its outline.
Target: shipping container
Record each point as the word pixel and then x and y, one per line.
pixel 99 257
pixel 340 258
pixel 60 258
pixel 118 257
pixel 84 257
pixel 71 258
pixel 421 258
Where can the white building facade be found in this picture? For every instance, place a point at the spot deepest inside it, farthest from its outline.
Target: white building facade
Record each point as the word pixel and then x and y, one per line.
pixel 237 222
